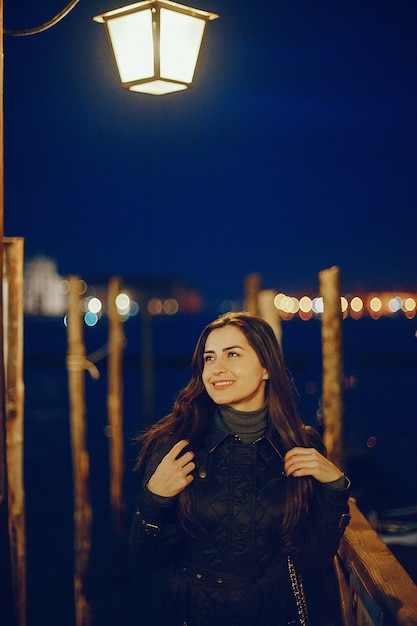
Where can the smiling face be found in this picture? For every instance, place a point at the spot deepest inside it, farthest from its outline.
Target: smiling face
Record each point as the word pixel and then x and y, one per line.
pixel 232 373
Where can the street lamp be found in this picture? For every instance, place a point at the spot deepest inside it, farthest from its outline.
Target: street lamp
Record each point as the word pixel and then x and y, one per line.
pixel 156 44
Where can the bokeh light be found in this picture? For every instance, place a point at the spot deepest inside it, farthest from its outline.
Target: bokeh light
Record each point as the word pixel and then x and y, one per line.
pixel 356 304
pixel 375 304
pixel 305 304
pixel 318 305
pixel 90 318
pixel 123 304
pixel 94 305
pixel 394 304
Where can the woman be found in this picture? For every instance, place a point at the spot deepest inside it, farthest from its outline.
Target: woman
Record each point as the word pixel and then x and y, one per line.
pixel 233 484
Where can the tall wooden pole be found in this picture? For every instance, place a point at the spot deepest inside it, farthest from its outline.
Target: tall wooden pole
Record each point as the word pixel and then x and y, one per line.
pixel 269 312
pixel 252 285
pixel 332 351
pixel 115 419
pixel 8 615
pixel 14 425
pixel 76 365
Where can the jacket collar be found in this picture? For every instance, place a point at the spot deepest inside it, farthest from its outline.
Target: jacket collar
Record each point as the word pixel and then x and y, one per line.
pixel 274 438
pixel 219 431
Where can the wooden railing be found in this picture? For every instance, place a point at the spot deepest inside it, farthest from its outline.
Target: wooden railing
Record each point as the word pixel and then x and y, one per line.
pixel 385 580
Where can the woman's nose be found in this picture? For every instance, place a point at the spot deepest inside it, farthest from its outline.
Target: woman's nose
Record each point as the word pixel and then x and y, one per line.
pixel 219 367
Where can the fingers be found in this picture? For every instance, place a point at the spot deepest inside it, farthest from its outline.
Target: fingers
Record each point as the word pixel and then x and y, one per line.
pixel 174 472
pixel 309 462
pixel 301 461
pixel 177 448
pixel 181 460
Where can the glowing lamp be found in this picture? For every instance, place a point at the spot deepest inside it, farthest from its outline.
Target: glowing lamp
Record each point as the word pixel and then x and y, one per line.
pixel 156 44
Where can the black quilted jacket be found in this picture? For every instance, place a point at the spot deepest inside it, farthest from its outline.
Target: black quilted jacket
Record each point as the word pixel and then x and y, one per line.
pixel 231 569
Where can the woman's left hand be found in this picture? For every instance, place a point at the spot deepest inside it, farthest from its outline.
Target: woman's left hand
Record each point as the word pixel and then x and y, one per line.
pixel 309 462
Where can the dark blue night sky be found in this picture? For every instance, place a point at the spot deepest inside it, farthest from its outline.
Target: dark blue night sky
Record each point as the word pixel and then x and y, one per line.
pixel 295 150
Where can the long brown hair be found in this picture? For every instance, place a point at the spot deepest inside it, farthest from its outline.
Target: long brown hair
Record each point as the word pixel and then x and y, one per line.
pixel 193 411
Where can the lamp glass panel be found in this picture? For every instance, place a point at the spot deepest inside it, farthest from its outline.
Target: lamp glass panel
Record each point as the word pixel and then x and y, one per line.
pixel 180 40
pixel 158 87
pixel 132 41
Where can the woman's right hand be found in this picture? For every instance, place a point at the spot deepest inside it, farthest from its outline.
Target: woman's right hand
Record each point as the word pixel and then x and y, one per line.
pixel 173 474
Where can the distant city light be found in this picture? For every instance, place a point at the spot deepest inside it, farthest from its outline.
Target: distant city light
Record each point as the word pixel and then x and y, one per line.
pixel 64 286
pixel 318 305
pixel 356 304
pixel 295 305
pixel 94 305
pixel 123 304
pixel 286 304
pixel 394 304
pixel 278 300
pixel 134 308
pixel 155 306
pixel 375 305
pixel 90 318
pixel 170 306
pixel 305 304
pixel 289 305
pixel 409 304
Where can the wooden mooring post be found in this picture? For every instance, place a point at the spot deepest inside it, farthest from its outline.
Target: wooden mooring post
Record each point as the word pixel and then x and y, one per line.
pixel 261 302
pixel 76 365
pixel 115 421
pixel 269 312
pixel 252 286
pixel 332 355
pixel 13 298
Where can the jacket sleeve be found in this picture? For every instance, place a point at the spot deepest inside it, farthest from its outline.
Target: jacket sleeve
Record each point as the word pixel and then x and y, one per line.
pixel 329 518
pixel 155 532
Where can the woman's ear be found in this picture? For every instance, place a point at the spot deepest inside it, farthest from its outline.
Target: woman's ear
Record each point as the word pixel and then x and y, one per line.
pixel 265 376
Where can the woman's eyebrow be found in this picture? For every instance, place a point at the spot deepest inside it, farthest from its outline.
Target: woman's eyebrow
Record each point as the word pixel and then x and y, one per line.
pixel 224 349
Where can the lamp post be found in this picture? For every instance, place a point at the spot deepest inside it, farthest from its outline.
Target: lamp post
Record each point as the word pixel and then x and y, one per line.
pixel 156 44
pixel 6 588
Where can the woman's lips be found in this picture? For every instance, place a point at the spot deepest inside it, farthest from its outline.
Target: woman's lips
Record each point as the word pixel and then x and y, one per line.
pixel 222 383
